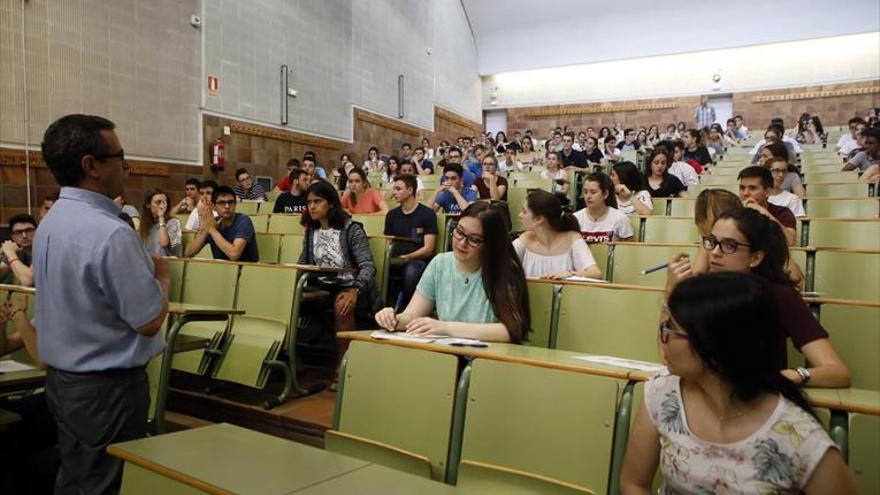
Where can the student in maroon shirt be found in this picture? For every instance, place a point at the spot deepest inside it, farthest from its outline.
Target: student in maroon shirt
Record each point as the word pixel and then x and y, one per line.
pixel 744 240
pixel 755 184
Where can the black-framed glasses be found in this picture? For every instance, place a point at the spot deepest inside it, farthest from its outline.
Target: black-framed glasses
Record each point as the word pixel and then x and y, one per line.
pixel 27 231
pixel 728 246
pixel 473 241
pixel 666 331
pixel 225 202
pixel 109 156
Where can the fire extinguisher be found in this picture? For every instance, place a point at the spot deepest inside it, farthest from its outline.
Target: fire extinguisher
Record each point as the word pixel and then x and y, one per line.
pixel 218 154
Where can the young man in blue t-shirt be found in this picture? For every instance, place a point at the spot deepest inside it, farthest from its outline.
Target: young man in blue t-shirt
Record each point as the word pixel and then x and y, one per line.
pixel 452 196
pixel 232 237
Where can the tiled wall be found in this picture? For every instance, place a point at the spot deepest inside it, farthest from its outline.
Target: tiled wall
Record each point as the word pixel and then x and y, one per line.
pixel 264 151
pixel 833 110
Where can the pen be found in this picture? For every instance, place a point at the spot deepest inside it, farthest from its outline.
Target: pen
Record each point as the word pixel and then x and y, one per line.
pixel 655 269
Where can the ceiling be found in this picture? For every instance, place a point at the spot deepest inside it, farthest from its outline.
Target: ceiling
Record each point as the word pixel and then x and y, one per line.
pixel 518 34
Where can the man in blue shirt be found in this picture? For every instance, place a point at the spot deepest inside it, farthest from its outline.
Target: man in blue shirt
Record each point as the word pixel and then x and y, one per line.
pixel 452 196
pixel 232 237
pixel 101 302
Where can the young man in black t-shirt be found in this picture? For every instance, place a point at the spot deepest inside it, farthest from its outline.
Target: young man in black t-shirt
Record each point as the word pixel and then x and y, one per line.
pixel 294 201
pixel 415 221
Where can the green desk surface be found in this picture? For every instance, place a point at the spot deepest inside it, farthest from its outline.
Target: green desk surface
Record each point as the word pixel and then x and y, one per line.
pixel 379 480
pixel 224 458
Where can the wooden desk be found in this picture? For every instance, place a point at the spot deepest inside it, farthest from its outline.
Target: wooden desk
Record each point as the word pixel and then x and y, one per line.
pixel 181 314
pixel 226 459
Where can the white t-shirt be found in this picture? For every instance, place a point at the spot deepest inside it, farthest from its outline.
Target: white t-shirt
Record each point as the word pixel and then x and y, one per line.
pixel 192 223
pixel 846 140
pixel 613 227
pixel 643 196
pixel 685 173
pixel 790 201
pixel 578 258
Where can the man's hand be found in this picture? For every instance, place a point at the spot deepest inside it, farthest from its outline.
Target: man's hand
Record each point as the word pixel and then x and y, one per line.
pixel 10 250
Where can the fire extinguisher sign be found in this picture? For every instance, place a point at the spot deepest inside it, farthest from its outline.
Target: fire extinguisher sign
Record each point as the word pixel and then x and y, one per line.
pixel 213 86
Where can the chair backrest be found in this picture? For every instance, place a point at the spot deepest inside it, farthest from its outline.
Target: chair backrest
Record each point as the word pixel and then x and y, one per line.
pixel 864 437
pixel 609 320
pixel 600 253
pixel 630 258
pixel 248 207
pixel 670 230
pixel 660 206
pixel 821 176
pixel 378 248
pixel 291 248
pixel 844 233
pixel 839 190
pixel 285 223
pixel 843 208
pixel 855 333
pixel 551 423
pixel 176 267
pixel 266 291
pixel 268 246
pixel 836 273
pixel 542 298
pixel 695 190
pixel 261 223
pixel 211 283
pixel 682 207
pixel 374 224
pixel 386 387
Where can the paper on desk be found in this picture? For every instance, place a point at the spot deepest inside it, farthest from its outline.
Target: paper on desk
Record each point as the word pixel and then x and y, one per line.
pixel 623 363
pixel 383 335
pixel 578 278
pixel 9 366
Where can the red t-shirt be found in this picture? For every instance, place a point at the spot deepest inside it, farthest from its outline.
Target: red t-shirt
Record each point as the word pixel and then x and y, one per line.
pixel 371 202
pixel 797 320
pixel 284 184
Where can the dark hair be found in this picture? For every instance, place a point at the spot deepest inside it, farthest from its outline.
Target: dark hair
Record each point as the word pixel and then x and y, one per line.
pixel 491 157
pixel 336 216
pixel 453 167
pixel 628 175
pixel 293 162
pixel 856 120
pixel 697 135
pixel 22 218
pixel 731 121
pixel 193 182
pixel 778 121
pixel 222 191
pixel 502 273
pixel 127 219
pixel 373 148
pixel 734 324
pixel 711 203
pixel 147 221
pixel 409 181
pixel 657 151
pixel 208 183
pixel 628 130
pixel 455 149
pixel 738 117
pixel 777 128
pixel 363 176
pixel 241 171
pixel 873 132
pixel 295 173
pixel 70 138
pixel 777 149
pixel 759 172
pixel 407 145
pixel 762 234
pixel 547 205
pixel 605 185
pixel 309 154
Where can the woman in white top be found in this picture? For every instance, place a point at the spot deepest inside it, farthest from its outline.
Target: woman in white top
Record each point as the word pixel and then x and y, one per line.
pixel 725 420
pixel 601 221
pixel 429 151
pixel 551 246
pixel 779 196
pixel 555 173
pixel 629 186
pixel 373 163
pixel 528 156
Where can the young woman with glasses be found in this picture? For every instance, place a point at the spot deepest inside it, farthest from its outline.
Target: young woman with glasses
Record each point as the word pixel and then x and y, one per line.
pixel 743 240
pixel 477 291
pixel 724 420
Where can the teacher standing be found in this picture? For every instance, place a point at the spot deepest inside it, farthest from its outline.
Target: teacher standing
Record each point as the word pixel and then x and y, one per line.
pixel 101 301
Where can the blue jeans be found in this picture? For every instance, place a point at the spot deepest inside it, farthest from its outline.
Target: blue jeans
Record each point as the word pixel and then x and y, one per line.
pixel 412 273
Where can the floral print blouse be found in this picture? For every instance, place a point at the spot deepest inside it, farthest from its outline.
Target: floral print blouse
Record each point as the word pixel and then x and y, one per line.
pixel 778 458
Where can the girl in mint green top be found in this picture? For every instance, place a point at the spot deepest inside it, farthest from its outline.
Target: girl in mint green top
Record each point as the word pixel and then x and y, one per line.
pixel 478 290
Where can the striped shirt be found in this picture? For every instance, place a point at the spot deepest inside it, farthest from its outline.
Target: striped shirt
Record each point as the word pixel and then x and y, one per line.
pixel 255 193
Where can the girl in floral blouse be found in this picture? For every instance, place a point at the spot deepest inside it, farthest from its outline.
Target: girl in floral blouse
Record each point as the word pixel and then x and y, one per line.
pixel 725 420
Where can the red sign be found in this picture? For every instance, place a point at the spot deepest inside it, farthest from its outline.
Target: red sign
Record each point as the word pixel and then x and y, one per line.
pixel 213 86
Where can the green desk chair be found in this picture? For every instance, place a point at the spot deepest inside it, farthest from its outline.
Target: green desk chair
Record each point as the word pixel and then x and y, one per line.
pixel 285 223
pixel 661 206
pixel 374 224
pixel 630 258
pixel 204 253
pixel 248 207
pixel 841 233
pixel 290 249
pixel 836 271
pixel 839 190
pixel 543 306
pixel 269 246
pixel 380 248
pixel 864 450
pixel 394 406
pixel 695 190
pixel 601 253
pixel 176 267
pixel 854 329
pixel 670 230
pixel 821 176
pixel 610 320
pixel 211 283
pixel 682 207
pixel 843 208
pixel 533 426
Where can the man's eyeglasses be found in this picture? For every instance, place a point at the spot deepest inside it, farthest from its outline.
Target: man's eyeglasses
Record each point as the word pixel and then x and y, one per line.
pixel 728 246
pixel 472 240
pixel 101 157
pixel 225 202
pixel 666 331
pixel 27 231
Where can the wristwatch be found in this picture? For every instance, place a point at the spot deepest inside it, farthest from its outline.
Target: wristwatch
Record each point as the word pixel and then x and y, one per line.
pixel 804 374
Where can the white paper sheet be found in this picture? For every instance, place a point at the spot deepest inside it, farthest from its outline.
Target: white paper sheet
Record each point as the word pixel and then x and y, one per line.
pixel 623 363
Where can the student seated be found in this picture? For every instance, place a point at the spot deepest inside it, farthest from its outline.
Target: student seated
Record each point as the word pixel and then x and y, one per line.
pixel 744 240
pixel 284 184
pixel 630 141
pixel 632 198
pixel 659 182
pixel 361 197
pixel 570 156
pixel 491 185
pixel 129 210
pixel 555 173
pixel 755 185
pixel 294 199
pixel 601 221
pixel 551 245
pixel 871 176
pixel 592 152
pixel 791 181
pixel 16 253
pixel 373 162
pixel 452 196
pixel 206 190
pixel 190 198
pixel 47 204
pixel 510 163
pixel 778 195
pixel 528 156
pixel 847 142
pixel 724 420
pixel 232 237
pixel 422 164
pixel 316 173
pixel 247 189
pixel 870 155
pixel 161 235
pixel 680 168
pixel 477 291
pixel 415 221
pixel 695 153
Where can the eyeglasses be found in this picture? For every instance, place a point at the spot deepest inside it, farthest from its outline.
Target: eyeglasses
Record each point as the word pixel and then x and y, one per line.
pixel 244 178
pixel 728 246
pixel 472 240
pixel 779 171
pixel 27 231
pixel 666 331
pixel 108 156
pixel 225 202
